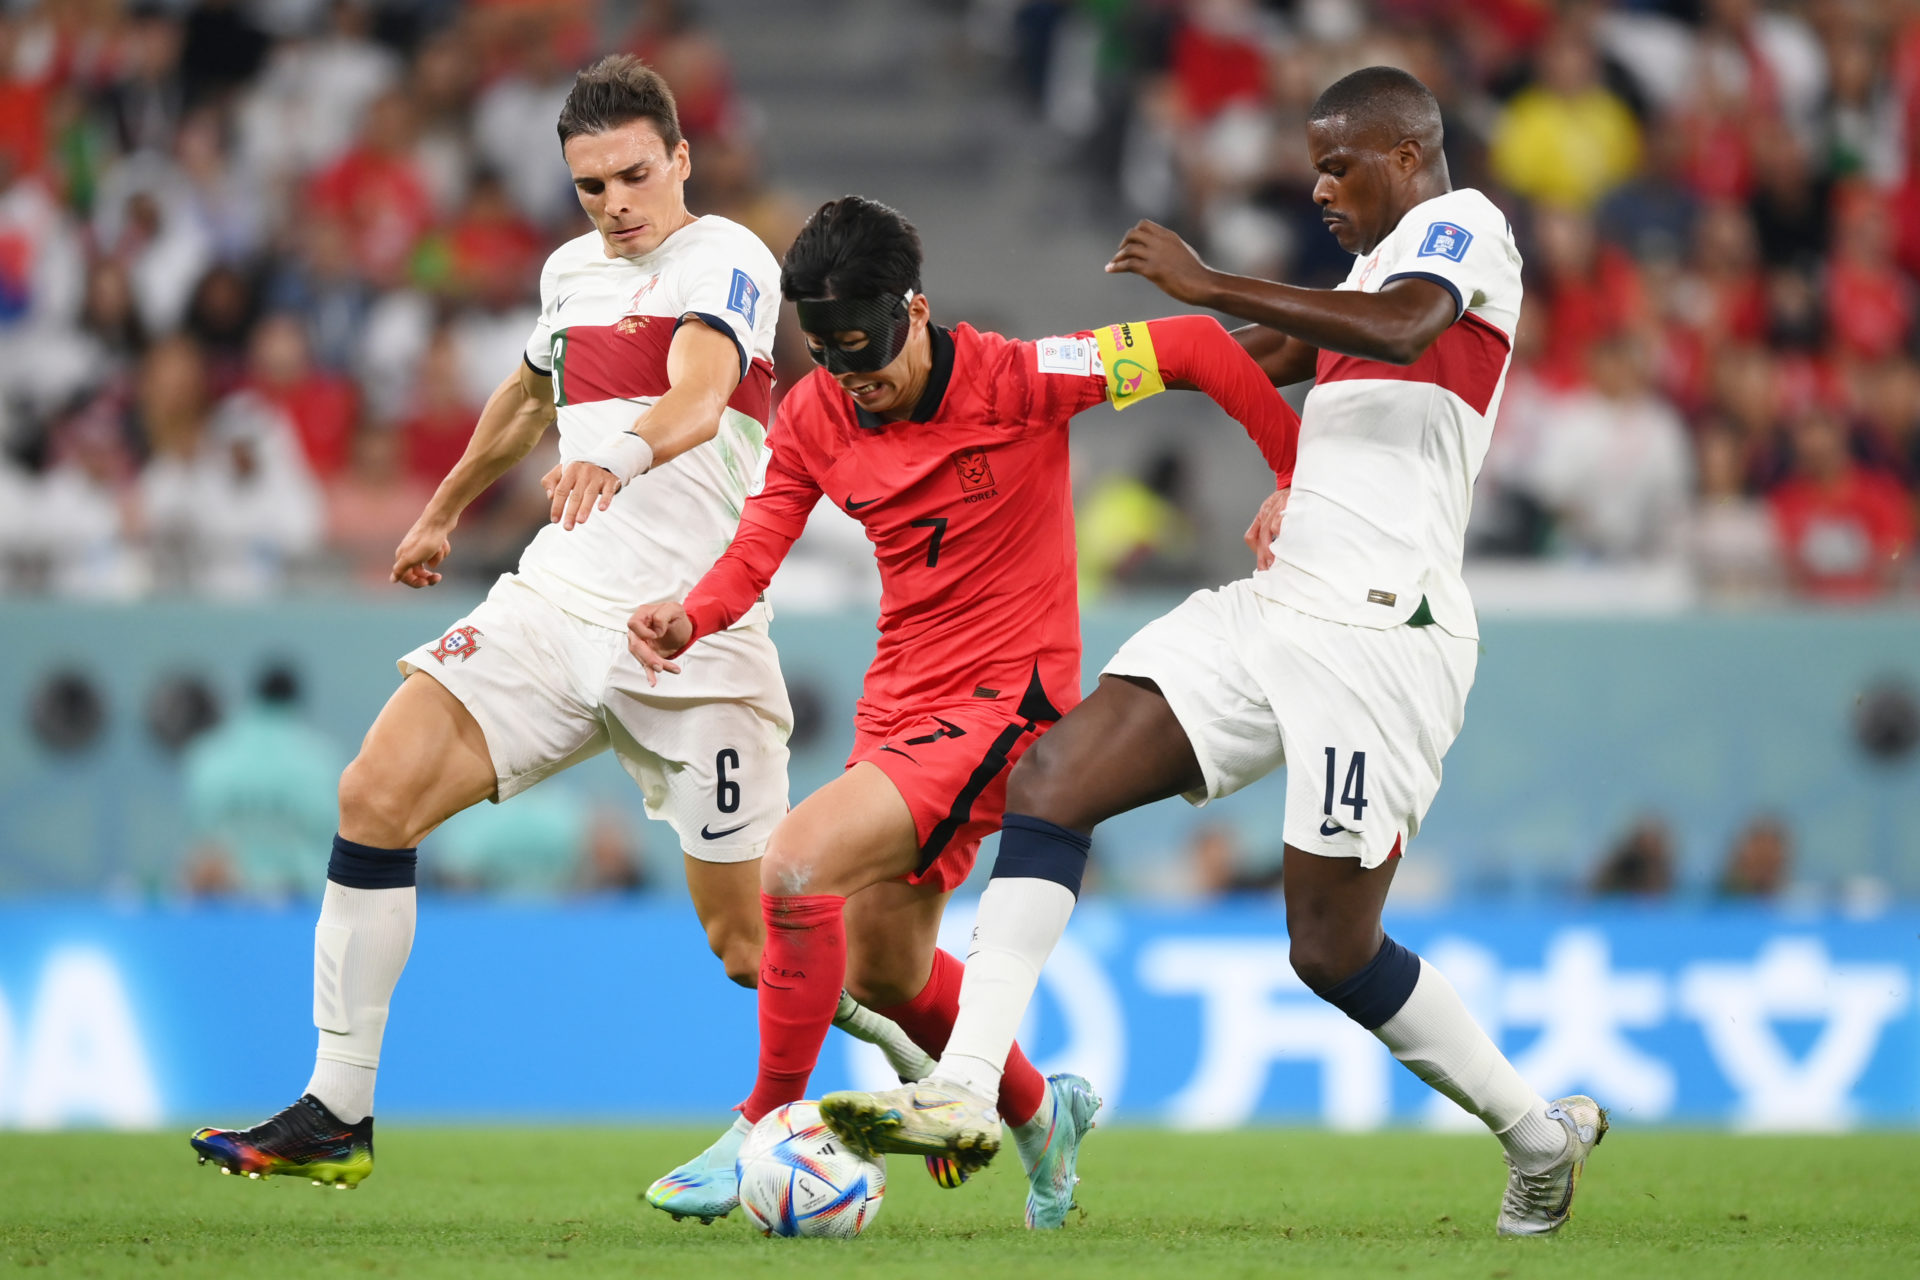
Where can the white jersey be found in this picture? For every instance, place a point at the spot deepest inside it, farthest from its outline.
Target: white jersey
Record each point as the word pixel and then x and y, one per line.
pixel 604 329
pixel 1377 519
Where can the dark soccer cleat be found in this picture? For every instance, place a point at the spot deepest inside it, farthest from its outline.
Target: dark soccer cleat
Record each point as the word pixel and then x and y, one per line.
pixel 304 1141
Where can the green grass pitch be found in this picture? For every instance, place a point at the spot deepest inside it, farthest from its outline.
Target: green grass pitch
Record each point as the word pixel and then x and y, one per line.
pixel 563 1203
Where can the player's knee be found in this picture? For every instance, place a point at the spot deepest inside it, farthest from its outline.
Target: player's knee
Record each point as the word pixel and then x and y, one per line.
pixel 373 809
pixel 787 869
pixel 1040 788
pixel 1324 955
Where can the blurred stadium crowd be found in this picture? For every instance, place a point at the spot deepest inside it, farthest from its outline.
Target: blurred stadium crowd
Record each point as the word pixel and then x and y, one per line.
pixel 261 262
pixel 1719 205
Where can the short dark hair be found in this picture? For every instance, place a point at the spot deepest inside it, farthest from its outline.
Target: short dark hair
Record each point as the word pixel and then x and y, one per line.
pixel 852 247
pixel 617 90
pixel 1382 96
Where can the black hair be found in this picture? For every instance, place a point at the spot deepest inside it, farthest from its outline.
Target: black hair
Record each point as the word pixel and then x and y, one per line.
pixel 852 247
pixel 1383 97
pixel 617 90
pixel 278 685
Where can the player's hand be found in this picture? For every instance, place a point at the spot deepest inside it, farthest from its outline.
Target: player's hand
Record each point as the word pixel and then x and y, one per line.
pixel 418 557
pixel 575 489
pixel 1152 251
pixel 1266 527
pixel 656 633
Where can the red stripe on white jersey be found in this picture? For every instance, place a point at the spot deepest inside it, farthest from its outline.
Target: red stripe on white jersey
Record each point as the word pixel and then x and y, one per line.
pixel 628 360
pixel 1467 360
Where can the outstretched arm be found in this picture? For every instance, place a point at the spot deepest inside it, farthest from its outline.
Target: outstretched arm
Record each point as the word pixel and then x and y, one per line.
pixel 516 415
pixel 1194 351
pixel 772 520
pixel 1395 325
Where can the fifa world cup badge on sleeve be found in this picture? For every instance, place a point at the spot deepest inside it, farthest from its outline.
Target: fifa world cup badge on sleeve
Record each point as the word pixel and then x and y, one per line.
pixel 1133 371
pixel 1444 240
pixel 461 642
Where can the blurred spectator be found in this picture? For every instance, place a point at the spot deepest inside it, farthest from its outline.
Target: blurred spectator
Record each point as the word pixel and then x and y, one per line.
pixel 1889 417
pixel 371 507
pixel 1869 302
pixel 1134 531
pixel 513 125
pixel 1732 541
pixel 1219 866
pixel 1640 866
pixel 539 844
pixel 440 419
pixel 1588 290
pixel 322 406
pixel 377 192
pixel 1760 862
pixel 260 798
pixel 1615 470
pixel 1845 530
pixel 1567 139
pixel 228 499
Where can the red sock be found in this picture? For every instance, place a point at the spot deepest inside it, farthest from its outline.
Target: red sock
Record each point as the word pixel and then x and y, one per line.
pixel 928 1021
pixel 801 970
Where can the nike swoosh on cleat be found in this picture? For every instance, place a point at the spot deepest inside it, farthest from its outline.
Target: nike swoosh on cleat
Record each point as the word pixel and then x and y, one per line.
pixel 853 506
pixel 933 1106
pixel 715 835
pixel 1331 828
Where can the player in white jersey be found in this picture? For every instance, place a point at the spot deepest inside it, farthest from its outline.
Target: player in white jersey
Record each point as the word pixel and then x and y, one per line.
pixel 654 352
pixel 1347 655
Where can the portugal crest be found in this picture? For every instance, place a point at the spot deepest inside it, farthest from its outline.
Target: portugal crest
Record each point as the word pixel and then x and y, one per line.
pixel 458 643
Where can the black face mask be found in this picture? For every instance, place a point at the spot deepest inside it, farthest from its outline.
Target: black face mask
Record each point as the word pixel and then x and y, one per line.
pixel 885 321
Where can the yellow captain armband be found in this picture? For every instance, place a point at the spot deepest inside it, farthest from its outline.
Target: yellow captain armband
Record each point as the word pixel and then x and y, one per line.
pixel 1133 371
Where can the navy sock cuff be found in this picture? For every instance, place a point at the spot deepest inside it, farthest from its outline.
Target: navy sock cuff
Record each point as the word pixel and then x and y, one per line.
pixel 1373 995
pixel 1035 849
pixel 361 866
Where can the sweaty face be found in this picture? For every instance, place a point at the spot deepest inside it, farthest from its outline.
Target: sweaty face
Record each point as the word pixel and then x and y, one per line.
pixel 1355 186
pixel 631 185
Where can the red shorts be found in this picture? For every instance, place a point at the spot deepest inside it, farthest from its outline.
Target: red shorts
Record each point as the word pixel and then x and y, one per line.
pixel 951 765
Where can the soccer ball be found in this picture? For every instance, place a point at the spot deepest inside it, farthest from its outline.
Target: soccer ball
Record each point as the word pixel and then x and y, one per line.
pixel 798 1179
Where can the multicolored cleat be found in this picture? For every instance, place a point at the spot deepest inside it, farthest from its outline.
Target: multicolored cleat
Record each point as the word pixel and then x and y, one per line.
pixel 1537 1204
pixel 707 1186
pixel 926 1119
pixel 1049 1146
pixel 304 1141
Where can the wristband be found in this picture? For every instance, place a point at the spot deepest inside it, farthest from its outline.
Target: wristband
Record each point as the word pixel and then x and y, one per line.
pixel 626 455
pixel 1133 371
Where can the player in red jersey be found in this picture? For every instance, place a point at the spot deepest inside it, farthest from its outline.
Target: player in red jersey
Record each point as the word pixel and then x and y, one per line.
pixel 950 447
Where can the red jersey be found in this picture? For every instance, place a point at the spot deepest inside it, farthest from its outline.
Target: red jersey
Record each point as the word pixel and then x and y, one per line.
pixel 969 507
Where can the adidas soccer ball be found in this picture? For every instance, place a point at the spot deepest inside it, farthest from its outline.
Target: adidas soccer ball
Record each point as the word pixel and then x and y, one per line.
pixel 798 1179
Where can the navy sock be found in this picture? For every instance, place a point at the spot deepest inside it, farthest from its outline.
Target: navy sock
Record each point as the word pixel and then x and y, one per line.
pixel 1380 990
pixel 1035 849
pixel 361 866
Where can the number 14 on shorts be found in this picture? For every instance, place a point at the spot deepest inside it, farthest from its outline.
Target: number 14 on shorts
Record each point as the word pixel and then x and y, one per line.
pixel 1353 792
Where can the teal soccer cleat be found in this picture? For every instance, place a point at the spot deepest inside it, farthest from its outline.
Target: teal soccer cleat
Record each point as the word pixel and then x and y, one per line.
pixel 1049 1146
pixel 707 1186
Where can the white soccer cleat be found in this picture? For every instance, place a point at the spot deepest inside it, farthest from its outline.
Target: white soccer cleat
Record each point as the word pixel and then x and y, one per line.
pixel 1539 1203
pixel 932 1118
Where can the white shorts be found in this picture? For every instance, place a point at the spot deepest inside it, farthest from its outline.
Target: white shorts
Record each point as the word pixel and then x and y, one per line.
pixel 708 746
pixel 1364 715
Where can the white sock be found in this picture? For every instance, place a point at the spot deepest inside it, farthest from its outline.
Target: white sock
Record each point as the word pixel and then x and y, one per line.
pixel 1441 1043
pixel 907 1059
pixel 1021 920
pixel 359 948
